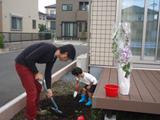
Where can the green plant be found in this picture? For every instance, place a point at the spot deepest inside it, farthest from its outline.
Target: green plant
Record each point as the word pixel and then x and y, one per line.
pixel 47 111
pixel 1 42
pixel 118 37
pixel 41 27
pixel 83 34
pixel 70 91
pixel 52 36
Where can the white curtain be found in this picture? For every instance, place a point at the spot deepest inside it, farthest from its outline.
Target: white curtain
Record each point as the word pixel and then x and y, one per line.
pixel 71 29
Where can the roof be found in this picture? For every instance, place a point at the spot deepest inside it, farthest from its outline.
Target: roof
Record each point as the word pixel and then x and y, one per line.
pixel 39 12
pixel 51 6
pixel 136 9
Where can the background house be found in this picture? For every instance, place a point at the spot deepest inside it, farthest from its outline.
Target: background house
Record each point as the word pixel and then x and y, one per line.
pixel 51 17
pixel 71 18
pixel 42 19
pixel 19 16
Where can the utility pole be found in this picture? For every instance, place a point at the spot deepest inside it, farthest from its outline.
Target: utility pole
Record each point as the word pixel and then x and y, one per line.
pixel 154 4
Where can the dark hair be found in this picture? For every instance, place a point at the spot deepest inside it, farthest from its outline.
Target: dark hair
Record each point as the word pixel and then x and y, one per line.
pixel 76 71
pixel 70 49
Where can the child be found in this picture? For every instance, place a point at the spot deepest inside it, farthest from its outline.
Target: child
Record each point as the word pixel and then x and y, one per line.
pixel 90 82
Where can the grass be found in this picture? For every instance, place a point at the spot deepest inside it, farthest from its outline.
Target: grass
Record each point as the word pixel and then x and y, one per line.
pixel 84 42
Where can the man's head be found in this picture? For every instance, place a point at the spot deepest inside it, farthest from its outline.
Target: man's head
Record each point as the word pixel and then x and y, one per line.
pixel 77 72
pixel 67 52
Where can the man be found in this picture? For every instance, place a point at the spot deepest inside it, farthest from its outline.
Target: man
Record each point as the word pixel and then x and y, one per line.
pixel 25 64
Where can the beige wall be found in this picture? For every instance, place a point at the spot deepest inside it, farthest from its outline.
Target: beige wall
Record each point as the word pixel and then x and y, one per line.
pixel 103 18
pixel 1 24
pixel 49 9
pixel 66 15
pixel 28 9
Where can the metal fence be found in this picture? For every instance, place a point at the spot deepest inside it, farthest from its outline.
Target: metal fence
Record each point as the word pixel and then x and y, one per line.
pixel 9 37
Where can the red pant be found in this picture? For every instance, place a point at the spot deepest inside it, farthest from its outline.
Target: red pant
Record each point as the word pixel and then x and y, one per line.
pixel 33 90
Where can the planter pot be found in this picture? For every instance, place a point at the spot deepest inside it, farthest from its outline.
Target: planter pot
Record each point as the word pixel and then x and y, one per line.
pixel 124 83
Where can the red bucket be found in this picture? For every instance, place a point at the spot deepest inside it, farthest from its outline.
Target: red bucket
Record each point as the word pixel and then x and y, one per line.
pixel 111 90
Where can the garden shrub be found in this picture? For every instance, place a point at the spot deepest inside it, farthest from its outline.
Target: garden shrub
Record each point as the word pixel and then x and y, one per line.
pixel 1 42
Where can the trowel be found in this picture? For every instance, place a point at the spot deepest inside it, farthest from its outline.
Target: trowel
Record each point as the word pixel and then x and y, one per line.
pixel 76 92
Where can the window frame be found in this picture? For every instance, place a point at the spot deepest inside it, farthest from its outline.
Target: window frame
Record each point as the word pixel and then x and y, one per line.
pixel 80 27
pixel 17 17
pixel 33 25
pixel 73 28
pixel 67 7
pixel 86 26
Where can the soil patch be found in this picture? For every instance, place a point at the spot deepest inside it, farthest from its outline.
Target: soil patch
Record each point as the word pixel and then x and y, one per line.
pixel 63 96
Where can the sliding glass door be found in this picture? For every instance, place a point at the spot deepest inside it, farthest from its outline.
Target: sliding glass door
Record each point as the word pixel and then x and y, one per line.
pixel 151 29
pixel 143 15
pixel 69 29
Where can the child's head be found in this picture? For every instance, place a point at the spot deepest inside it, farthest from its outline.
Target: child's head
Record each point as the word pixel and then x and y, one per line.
pixel 77 72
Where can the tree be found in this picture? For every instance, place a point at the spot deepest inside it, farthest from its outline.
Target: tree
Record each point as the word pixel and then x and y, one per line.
pixel 41 27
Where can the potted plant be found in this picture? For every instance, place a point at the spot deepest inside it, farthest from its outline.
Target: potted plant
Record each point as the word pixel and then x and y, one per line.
pixel 123 55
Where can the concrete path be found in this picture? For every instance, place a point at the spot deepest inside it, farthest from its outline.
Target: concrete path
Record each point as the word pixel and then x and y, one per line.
pixel 10 84
pixel 74 42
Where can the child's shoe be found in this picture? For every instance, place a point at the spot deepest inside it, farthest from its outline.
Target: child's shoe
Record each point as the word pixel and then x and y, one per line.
pixel 83 98
pixel 89 102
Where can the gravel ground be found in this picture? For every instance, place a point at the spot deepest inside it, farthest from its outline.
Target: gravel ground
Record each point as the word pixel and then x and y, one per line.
pixel 69 77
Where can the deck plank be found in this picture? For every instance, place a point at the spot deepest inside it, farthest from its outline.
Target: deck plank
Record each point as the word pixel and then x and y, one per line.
pixel 134 93
pixel 156 76
pixel 146 75
pixel 113 77
pixel 104 79
pixel 113 80
pixel 145 95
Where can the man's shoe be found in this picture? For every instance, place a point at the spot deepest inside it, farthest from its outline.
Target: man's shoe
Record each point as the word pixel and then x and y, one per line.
pixel 41 112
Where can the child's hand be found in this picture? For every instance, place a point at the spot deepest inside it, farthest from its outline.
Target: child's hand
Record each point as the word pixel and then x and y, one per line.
pixel 76 86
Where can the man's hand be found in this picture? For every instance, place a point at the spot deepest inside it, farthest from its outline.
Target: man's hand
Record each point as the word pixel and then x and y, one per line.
pixel 49 94
pixel 38 76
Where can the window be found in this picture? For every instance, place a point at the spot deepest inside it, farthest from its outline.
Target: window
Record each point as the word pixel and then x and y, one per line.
pixel 44 17
pixel 40 17
pixel 69 29
pixel 80 27
pixel 53 11
pixel 83 5
pixel 139 17
pixel 67 7
pixel 86 27
pixel 53 25
pixel 16 23
pixel 34 24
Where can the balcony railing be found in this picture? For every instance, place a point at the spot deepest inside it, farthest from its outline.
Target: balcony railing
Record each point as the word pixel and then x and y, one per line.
pixel 51 16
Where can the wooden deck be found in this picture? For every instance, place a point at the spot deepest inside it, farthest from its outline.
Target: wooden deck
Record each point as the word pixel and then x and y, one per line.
pixel 144 94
